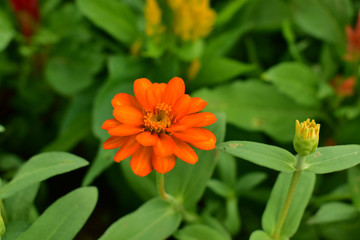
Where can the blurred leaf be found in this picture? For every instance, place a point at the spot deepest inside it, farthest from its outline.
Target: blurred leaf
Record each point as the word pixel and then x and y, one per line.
pixel 256 106
pixel 155 220
pixel 125 69
pixel 145 187
pixel 249 181
pixel 226 167
pixel 232 221
pixel 260 235
pixel 194 178
pixel 65 217
pixel 190 50
pixel 77 129
pixel 332 159
pixel 2 128
pixel 298 204
pixel 333 212
pixel 18 206
pixel 229 10
pixel 217 70
pixel 102 105
pixel 261 154
pixel 14 230
pixel 214 223
pixel 198 232
pixel 318 18
pixel 112 16
pixel 354 185
pixel 103 160
pixel 265 15
pixel 41 167
pixel 71 72
pixel 49 6
pixel 347 230
pixel 295 80
pixel 220 188
pixel 7 31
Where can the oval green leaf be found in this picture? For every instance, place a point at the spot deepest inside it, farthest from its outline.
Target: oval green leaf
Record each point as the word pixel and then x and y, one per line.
pixel 332 159
pixel 155 220
pixel 64 218
pixel 261 154
pixel 333 212
pixel 198 232
pixel 41 167
pixel 298 204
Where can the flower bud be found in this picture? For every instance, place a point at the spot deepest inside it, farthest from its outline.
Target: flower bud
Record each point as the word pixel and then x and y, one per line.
pixel 306 137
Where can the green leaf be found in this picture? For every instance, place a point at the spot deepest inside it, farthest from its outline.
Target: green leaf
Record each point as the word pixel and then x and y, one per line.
pixel 257 106
pixel 41 167
pixel 7 31
pixel 354 185
pixel 64 218
pixel 14 230
pixel 117 65
pixel 69 72
pixel 198 232
pixel 220 188
pixel 232 221
pixel 260 235
pixel 312 15
pixel 261 154
pixel 214 223
pixel 249 181
pixel 19 205
pixel 295 80
pixel 332 159
pixel 155 220
pixel 112 16
pixel 226 167
pixel 229 10
pixel 298 204
pixel 333 212
pixel 2 128
pixel 187 182
pixel 217 70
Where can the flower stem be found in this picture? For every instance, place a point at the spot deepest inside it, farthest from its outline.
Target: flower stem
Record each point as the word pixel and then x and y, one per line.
pixel 161 185
pixel 294 180
pixel 3 211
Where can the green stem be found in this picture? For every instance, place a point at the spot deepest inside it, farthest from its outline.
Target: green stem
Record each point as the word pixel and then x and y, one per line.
pixel 294 180
pixel 160 182
pixel 3 211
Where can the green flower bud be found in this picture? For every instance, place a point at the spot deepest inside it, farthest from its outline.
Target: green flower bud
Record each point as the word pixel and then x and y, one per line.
pixel 306 137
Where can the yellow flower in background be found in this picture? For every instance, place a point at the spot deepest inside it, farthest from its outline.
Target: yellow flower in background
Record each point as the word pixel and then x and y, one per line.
pixel 306 137
pixel 153 18
pixel 193 19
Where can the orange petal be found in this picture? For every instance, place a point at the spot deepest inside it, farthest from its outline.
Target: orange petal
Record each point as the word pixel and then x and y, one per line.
pixel 182 106
pixel 124 130
pixel 125 99
pixel 110 123
pixel 127 114
pixel 174 90
pixel 164 146
pixel 154 94
pixel 141 161
pixel 147 138
pixel 176 127
pixel 196 105
pixel 184 151
pixel 198 119
pixel 163 164
pixel 130 146
pixel 140 86
pixel 194 135
pixel 114 142
pixel 206 145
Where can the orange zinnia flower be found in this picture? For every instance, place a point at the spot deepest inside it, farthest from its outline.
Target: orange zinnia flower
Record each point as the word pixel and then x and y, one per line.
pixel 157 125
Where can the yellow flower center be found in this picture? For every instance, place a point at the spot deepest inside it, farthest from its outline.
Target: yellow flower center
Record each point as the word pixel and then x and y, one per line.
pixel 158 120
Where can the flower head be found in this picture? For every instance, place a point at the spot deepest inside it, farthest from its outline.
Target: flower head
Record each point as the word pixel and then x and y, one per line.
pixel 306 137
pixel 193 19
pixel 27 12
pixel 153 18
pixel 157 125
pixel 353 42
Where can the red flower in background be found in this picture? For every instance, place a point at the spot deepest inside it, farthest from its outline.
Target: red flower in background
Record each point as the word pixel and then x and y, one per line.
pixel 353 42
pixel 344 87
pixel 157 126
pixel 27 13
